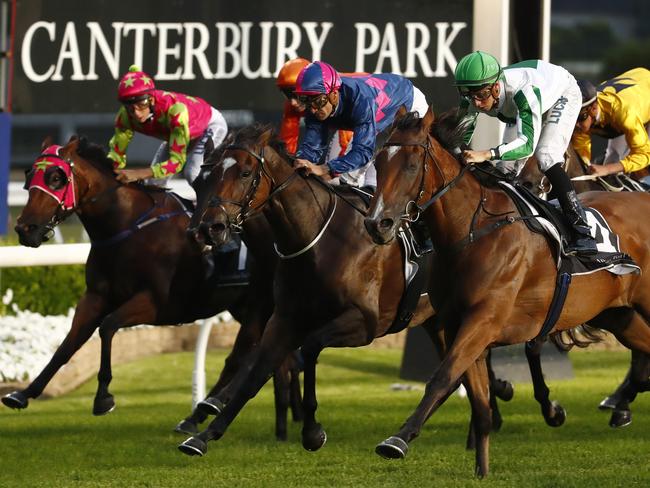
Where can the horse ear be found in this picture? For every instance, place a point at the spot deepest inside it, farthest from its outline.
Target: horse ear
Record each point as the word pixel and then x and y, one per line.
pixel 429 118
pixel 73 137
pixel 47 142
pixel 266 136
pixel 401 113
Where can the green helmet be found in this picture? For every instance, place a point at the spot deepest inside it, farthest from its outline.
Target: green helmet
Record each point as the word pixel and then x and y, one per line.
pixel 476 69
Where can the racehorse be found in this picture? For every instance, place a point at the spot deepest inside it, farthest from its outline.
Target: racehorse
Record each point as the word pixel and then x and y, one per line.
pixel 496 279
pixel 532 178
pixel 333 286
pixel 336 289
pixel 142 268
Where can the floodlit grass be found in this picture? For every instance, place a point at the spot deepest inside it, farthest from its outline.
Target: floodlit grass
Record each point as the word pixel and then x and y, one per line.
pixel 58 443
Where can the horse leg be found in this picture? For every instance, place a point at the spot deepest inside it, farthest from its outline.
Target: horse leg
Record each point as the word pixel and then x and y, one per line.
pixel 476 380
pixel 468 345
pixel 347 330
pixel 554 414
pixel 279 339
pixel 295 396
pixel 140 309
pixel 610 402
pixel 247 338
pixel 86 319
pixel 633 331
pixel 281 382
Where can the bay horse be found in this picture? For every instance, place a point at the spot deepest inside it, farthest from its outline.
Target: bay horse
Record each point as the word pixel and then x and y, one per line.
pixel 532 178
pixel 496 289
pixel 336 290
pixel 142 269
pixel 333 286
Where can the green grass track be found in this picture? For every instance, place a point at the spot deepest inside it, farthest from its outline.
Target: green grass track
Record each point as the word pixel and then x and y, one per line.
pixel 58 443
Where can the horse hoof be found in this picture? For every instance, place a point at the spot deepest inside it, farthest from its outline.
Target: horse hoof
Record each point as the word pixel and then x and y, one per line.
pixel 104 405
pixel 193 446
pixel 609 403
pixel 557 415
pixel 210 406
pixel 620 418
pixel 16 400
pixel 186 427
pixel 315 439
pixel 505 392
pixel 392 448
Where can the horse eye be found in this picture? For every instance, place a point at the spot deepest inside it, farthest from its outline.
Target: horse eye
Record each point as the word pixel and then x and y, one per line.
pixel 55 179
pixel 246 173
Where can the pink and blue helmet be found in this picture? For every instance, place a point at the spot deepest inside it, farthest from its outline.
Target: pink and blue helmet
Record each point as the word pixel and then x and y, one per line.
pixel 317 78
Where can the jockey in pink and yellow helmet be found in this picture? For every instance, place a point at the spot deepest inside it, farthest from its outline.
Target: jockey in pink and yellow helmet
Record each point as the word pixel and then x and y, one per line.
pixel 187 125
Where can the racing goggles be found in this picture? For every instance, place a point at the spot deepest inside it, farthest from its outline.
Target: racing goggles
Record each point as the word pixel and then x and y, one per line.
pixel 477 94
pixel 314 101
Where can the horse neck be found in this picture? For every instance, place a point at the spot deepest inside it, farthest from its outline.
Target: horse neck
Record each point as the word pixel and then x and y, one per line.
pixel 450 218
pixel 574 167
pixel 299 211
pixel 106 207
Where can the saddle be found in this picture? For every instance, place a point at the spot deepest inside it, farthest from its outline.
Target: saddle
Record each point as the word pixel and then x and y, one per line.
pixel 547 219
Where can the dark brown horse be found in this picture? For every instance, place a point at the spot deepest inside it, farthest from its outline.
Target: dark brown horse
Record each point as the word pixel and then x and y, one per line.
pixel 531 177
pixel 142 269
pixel 333 286
pixel 248 188
pixel 496 289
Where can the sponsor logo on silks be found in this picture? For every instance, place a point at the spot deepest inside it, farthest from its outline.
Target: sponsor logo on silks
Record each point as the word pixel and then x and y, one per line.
pixel 556 112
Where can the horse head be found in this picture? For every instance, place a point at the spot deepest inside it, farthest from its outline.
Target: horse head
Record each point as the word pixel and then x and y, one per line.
pixel 52 193
pixel 401 167
pixel 231 191
pixel 59 181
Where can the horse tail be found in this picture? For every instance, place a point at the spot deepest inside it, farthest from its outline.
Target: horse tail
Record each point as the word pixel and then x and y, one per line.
pixel 580 336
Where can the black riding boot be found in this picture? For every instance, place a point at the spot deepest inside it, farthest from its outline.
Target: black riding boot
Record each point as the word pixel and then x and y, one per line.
pixel 583 242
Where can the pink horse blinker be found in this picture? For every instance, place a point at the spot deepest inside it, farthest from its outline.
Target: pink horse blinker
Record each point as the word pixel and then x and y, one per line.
pixel 49 161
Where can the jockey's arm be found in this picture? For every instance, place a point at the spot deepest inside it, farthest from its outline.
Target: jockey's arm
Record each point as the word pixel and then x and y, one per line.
pixel 636 136
pixel 179 139
pixel 121 139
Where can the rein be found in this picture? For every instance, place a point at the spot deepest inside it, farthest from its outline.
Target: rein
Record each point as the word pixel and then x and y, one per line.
pixel 473 235
pixel 235 224
pixel 139 223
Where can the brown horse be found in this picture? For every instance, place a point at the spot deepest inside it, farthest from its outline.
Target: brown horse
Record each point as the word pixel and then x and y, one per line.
pixel 142 269
pixel 496 289
pixel 333 286
pixel 317 310
pixel 531 177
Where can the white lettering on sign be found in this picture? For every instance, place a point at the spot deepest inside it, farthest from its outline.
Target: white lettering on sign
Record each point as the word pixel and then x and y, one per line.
pixel 226 50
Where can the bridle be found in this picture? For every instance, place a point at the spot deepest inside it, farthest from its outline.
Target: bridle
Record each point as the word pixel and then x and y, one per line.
pixel 245 205
pixel 414 208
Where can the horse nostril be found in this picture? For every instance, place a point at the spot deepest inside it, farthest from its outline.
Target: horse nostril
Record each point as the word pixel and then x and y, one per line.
pixel 386 224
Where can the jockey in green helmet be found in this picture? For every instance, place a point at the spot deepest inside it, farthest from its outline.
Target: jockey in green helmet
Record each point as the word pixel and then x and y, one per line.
pixel 539 102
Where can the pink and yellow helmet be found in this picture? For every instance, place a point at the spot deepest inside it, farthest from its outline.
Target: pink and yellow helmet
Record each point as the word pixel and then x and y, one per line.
pixel 135 85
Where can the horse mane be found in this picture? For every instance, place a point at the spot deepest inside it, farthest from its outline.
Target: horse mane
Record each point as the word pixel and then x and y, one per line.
pixel 96 155
pixel 249 135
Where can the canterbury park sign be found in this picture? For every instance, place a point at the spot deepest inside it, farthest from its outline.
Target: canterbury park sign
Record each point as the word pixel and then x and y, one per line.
pixel 69 58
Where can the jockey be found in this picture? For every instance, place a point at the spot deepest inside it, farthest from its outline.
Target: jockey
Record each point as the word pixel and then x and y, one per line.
pixel 365 104
pixel 294 111
pixel 539 102
pixel 619 110
pixel 185 123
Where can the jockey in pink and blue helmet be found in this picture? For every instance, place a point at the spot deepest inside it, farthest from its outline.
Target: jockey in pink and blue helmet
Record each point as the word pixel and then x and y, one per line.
pixel 365 104
pixel 317 78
